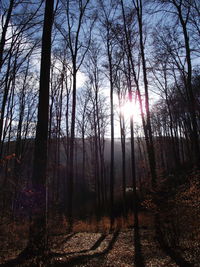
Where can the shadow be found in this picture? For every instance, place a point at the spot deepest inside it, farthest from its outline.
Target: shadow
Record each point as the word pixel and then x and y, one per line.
pixel 174 255
pixel 94 247
pixel 138 259
pixel 85 258
pixel 30 259
pixel 58 234
pixel 98 242
pixel 11 263
pixel 66 239
pixel 33 261
pixel 23 261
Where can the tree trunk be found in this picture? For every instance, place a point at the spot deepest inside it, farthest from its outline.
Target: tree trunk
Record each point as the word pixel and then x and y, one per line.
pixel 38 229
pixel 71 153
pixel 112 173
pixel 150 146
pixel 3 35
pixel 191 99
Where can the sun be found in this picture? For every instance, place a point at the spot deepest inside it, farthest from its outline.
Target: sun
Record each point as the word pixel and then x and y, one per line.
pixel 130 109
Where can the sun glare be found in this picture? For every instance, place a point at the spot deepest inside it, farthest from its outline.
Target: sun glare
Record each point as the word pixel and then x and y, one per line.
pixel 131 109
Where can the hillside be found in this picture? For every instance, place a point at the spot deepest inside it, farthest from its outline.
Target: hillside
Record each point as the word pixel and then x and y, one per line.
pixel 169 234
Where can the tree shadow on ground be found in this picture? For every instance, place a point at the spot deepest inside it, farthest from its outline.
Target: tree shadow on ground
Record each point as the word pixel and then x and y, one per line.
pixel 80 259
pixel 174 255
pixel 138 259
pixel 45 259
pixel 67 238
pixel 94 247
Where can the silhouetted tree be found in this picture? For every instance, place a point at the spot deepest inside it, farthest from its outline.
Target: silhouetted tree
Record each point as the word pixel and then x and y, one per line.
pixel 38 229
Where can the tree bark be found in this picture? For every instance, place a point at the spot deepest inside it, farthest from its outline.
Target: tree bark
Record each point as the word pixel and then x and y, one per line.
pixel 3 35
pixel 38 229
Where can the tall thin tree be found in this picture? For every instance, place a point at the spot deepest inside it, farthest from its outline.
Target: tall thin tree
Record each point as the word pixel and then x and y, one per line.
pixel 38 229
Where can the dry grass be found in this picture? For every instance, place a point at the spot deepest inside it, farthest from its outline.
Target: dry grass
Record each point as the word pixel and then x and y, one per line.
pixel 93 225
pixel 14 235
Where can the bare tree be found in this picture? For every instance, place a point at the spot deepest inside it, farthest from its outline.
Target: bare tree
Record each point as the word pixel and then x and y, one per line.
pixel 73 35
pixel 6 13
pixel 182 11
pixel 38 228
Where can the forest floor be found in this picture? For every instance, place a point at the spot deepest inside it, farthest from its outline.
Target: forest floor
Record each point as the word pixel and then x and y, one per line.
pixel 97 249
pixel 169 235
pixel 116 249
pixel 87 249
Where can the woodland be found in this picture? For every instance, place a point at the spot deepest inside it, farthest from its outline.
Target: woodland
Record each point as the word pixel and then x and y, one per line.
pixel 99 133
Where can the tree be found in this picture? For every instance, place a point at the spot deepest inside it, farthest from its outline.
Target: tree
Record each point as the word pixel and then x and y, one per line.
pixel 107 20
pixel 151 153
pixel 130 44
pixel 4 31
pixel 191 100
pixel 121 93
pixel 38 229
pixel 182 11
pixel 73 35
